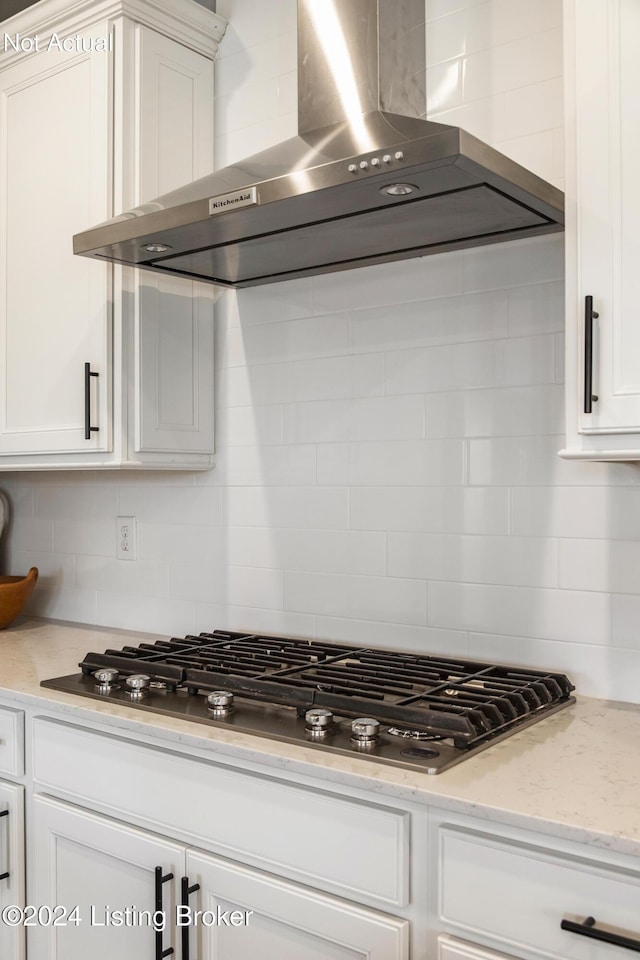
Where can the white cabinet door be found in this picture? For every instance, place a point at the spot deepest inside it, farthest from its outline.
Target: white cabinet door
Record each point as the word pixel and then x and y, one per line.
pixel 172 317
pixel 12 940
pixel 248 915
pixel 100 866
pixel 54 307
pixel 602 74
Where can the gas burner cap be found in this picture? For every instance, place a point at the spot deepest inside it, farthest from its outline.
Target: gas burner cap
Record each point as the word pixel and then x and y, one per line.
pixel 220 703
pixel 407 734
pixel 138 685
pixel 318 721
pixel 106 679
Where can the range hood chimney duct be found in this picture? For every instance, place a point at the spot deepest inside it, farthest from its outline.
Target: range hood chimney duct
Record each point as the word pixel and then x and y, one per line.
pixel 367 180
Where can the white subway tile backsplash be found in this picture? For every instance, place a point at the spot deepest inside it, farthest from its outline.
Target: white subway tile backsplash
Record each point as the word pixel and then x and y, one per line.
pixel 397 636
pixel 425 323
pixel 510 411
pixel 242 426
pixel 108 575
pixel 265 465
pixel 150 614
pixel 511 65
pixel 75 536
pixel 305 508
pixel 76 502
pixel 612 565
pixel 465 29
pixel 610 513
pixel 212 616
pixel 380 418
pixel 290 340
pixel 528 461
pixel 567 615
pixel 625 621
pixel 536 309
pixel 431 510
pixel 517 561
pixel 187 505
pixel 32 533
pixel 374 598
pixel 256 587
pixel 388 284
pixel 410 462
pixel 318 551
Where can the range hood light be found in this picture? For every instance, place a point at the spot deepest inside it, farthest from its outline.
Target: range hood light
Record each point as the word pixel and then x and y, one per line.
pixel 398 189
pixel 157 247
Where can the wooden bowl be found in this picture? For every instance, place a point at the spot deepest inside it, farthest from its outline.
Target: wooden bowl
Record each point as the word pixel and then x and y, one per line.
pixel 13 595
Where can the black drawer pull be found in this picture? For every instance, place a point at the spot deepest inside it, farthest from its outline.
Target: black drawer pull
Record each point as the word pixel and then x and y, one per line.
pixel 88 429
pixel 4 813
pixel 161 878
pixel 589 316
pixel 186 892
pixel 588 929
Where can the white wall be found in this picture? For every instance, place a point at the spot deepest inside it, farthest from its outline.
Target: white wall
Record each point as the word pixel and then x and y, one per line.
pixel 387 437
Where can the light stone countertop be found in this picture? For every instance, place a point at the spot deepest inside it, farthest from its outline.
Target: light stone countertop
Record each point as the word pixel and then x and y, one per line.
pixel 574 775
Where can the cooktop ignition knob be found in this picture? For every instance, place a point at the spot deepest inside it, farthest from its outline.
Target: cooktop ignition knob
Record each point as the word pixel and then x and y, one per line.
pixel 365 730
pixel 106 679
pixel 138 684
pixel 318 721
pixel 220 702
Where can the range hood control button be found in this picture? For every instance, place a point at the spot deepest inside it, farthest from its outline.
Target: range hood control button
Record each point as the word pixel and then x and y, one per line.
pixel 386 158
pixel 220 703
pixel 365 730
pixel 375 161
pixel 364 164
pixel 106 679
pixel 399 155
pixel 352 168
pixel 138 684
pixel 318 721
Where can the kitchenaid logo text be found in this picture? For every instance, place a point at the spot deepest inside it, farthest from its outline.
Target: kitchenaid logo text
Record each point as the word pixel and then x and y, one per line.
pixel 240 198
pixel 32 43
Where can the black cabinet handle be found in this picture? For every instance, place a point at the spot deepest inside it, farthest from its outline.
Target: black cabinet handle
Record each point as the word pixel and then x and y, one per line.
pixel 4 813
pixel 588 929
pixel 88 429
pixel 589 316
pixel 184 901
pixel 160 879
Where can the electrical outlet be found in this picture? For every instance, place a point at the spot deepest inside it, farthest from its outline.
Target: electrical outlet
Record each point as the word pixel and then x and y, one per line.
pixel 126 538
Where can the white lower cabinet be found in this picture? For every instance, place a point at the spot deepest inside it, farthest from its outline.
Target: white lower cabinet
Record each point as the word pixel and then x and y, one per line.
pixel 114 891
pixel 12 873
pixel 527 898
pixel 98 876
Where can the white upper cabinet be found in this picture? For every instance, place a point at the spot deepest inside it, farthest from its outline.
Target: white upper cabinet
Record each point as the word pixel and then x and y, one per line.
pixel 85 136
pixel 602 75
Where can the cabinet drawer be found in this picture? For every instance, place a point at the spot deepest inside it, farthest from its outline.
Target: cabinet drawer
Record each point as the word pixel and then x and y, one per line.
pixel 11 742
pixel 517 894
pixel 325 840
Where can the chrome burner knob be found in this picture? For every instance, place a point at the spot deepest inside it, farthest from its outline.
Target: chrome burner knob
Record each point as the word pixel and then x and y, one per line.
pixel 365 730
pixel 318 721
pixel 220 702
pixel 138 684
pixel 106 679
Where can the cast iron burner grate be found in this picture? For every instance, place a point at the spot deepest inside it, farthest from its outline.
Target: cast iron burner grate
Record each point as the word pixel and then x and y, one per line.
pixel 467 701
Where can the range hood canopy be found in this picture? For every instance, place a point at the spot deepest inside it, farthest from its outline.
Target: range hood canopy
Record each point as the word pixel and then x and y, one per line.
pixel 367 179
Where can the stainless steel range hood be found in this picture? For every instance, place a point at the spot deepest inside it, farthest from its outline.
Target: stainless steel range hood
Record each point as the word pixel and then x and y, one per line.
pixel 366 180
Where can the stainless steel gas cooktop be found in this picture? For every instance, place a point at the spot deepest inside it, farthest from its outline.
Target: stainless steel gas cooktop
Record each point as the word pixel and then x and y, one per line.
pixel 397 708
